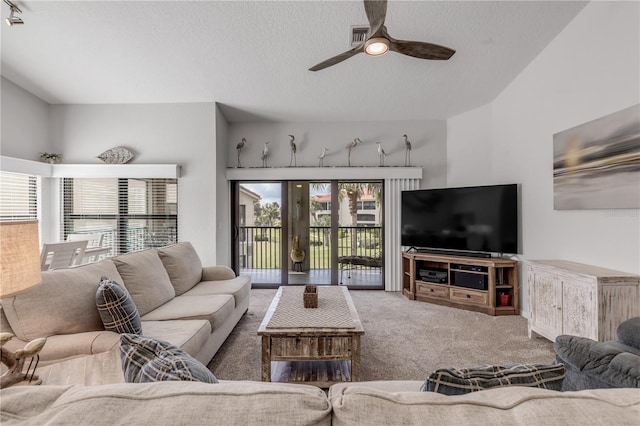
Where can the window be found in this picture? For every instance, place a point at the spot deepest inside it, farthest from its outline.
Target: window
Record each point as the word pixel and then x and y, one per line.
pixel 366 218
pixel 132 214
pixel 18 196
pixel 368 205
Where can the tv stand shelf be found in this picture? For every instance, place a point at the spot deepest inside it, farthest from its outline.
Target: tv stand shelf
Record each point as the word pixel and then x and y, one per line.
pixel 472 283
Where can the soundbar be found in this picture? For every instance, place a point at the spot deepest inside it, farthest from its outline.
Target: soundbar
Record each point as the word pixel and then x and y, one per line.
pixel 453 252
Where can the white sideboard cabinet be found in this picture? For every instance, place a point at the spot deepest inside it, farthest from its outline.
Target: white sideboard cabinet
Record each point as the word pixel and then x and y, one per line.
pixel 581 300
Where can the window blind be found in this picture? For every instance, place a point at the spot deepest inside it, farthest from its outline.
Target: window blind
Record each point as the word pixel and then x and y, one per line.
pixel 132 214
pixel 18 196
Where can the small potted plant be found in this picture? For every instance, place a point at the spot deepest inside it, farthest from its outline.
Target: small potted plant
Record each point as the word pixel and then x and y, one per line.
pixel 51 158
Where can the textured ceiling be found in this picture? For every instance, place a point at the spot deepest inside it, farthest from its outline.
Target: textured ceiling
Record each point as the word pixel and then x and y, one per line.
pixel 253 57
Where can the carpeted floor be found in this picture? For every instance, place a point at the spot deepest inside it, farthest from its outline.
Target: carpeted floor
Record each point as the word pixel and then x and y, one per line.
pixel 403 340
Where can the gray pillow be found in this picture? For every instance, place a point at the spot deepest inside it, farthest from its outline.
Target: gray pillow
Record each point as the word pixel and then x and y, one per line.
pixel 183 266
pixel 453 381
pixel 151 360
pixel 629 332
pixel 116 308
pixel 145 278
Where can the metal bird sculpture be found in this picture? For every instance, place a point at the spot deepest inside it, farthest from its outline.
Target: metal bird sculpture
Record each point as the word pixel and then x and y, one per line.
pixel 352 145
pixel 407 152
pixel 292 159
pixel 239 148
pixel 321 157
pixel 381 153
pixel 265 154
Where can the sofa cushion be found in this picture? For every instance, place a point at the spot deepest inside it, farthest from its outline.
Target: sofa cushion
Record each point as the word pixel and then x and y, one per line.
pixel 151 360
pixel 182 264
pixel 167 403
pixel 629 332
pixel 238 287
pixel 65 302
pixel 188 335
pixel 458 381
pixel 145 278
pixel 214 308
pixel 354 404
pixel 117 310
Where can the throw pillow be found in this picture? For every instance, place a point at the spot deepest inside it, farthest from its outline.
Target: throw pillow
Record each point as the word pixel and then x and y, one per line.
pixel 453 381
pixel 151 360
pixel 116 308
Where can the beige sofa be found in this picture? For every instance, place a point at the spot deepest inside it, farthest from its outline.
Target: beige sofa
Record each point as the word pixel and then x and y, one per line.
pixel 179 301
pixel 366 403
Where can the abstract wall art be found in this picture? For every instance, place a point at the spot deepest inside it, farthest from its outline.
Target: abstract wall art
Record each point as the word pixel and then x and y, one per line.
pixel 596 165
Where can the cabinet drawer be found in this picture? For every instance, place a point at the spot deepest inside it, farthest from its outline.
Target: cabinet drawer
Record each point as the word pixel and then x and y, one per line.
pixel 432 290
pixel 469 296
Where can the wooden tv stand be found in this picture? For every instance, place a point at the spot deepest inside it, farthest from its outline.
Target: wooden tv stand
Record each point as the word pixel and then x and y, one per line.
pixel 470 283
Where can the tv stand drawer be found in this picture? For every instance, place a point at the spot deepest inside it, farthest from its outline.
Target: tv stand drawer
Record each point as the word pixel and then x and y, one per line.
pixel 432 290
pixel 469 296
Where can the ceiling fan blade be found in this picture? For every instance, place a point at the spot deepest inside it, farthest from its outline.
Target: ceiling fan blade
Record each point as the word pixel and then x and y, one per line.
pixel 339 58
pixel 419 49
pixel 376 11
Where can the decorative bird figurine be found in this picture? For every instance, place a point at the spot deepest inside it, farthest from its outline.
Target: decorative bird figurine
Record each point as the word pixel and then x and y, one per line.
pixel 297 254
pixel 381 153
pixel 265 154
pixel 293 151
pixel 239 148
pixel 352 145
pixel 321 157
pixel 14 361
pixel 407 153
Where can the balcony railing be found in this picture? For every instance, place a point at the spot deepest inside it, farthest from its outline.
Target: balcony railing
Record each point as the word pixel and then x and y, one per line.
pixel 260 246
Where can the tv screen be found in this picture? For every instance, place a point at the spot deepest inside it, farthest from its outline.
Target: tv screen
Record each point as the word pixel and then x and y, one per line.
pixel 479 218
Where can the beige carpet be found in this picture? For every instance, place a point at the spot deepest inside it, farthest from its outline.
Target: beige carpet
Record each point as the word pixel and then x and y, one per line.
pixel 403 340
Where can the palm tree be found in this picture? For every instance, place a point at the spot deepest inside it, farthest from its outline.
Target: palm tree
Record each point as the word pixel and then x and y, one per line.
pixel 353 192
pixel 269 214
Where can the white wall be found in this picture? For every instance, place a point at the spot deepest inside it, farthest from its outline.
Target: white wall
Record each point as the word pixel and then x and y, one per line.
pixel 590 70
pixel 25 134
pixel 25 123
pixel 183 134
pixel 223 211
pixel 428 139
pixel 469 153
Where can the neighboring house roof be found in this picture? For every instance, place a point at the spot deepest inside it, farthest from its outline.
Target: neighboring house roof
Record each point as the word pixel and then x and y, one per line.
pixel 250 193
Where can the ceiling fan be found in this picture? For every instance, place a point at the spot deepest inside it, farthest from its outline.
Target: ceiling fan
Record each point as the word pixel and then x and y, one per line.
pixel 379 41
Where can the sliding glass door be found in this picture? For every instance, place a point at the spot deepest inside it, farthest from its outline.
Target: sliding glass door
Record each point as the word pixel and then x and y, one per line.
pixel 309 232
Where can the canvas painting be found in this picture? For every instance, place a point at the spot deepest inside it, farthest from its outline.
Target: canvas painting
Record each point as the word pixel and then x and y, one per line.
pixel 597 165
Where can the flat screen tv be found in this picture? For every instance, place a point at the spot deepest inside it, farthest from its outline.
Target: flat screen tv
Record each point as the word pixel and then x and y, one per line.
pixel 482 219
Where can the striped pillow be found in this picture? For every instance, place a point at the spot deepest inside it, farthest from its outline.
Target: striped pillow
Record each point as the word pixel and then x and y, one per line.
pixel 453 381
pixel 116 308
pixel 151 360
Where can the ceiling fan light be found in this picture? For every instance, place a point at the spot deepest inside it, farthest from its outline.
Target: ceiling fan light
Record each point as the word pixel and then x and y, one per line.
pixel 376 46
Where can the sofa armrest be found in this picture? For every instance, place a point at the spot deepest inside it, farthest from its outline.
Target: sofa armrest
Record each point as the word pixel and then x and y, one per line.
pixel 583 353
pixel 217 273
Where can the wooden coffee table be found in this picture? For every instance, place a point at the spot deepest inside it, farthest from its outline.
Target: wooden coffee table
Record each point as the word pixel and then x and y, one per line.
pixel 315 351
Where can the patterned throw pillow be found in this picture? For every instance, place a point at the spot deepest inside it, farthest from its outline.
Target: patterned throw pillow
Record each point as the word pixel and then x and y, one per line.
pixel 453 381
pixel 116 308
pixel 151 360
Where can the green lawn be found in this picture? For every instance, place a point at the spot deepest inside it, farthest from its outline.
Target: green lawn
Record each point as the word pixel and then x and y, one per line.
pixel 266 254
